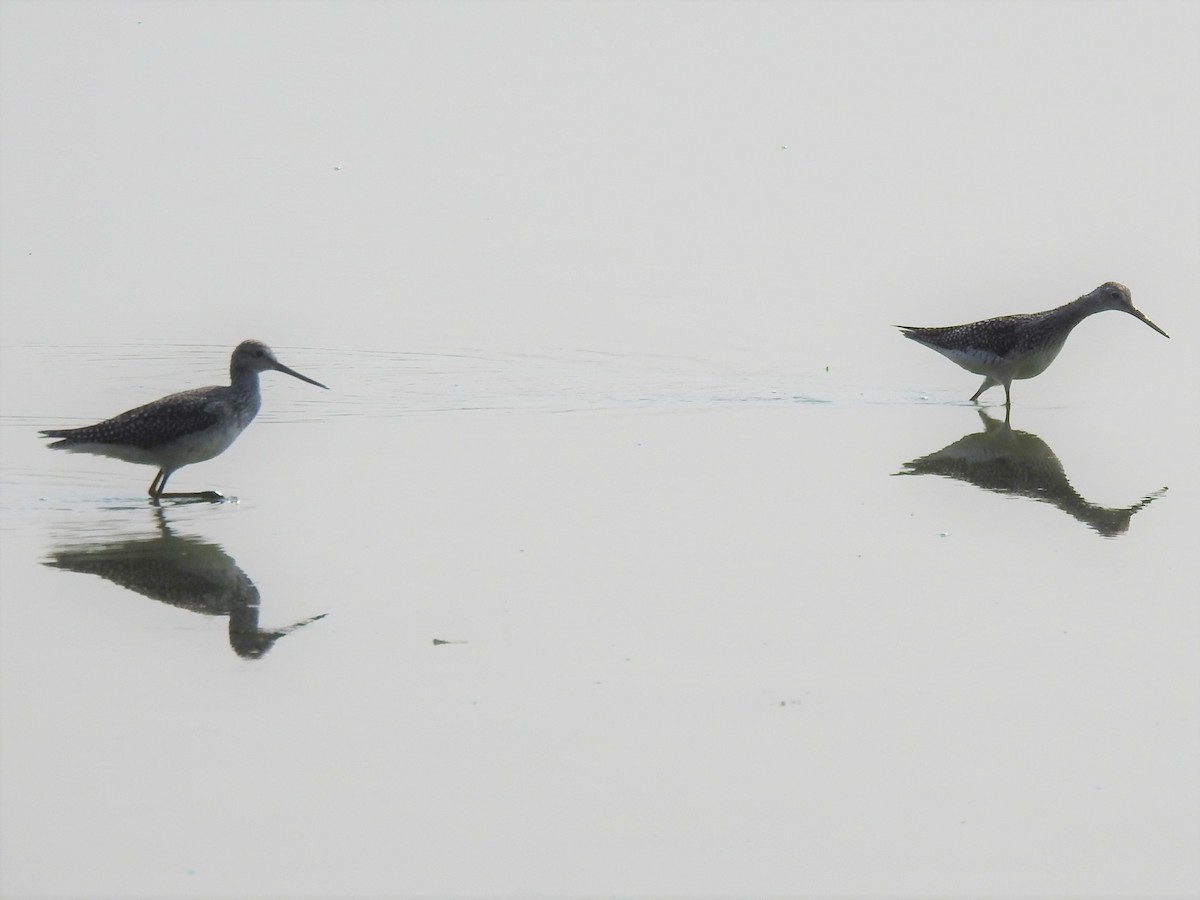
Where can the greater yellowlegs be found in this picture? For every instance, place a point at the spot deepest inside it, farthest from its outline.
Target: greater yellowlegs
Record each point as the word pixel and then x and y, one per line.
pixel 1012 347
pixel 184 428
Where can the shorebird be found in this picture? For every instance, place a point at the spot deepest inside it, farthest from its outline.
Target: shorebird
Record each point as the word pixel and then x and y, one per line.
pixel 1011 347
pixel 184 428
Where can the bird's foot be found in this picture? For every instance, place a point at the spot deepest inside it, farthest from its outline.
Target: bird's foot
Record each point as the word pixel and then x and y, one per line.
pixel 191 497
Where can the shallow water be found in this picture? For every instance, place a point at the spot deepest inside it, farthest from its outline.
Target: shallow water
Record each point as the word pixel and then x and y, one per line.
pixel 644 643
pixel 631 550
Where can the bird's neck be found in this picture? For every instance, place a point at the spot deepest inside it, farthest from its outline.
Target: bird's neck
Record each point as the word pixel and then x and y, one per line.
pixel 1071 314
pixel 244 381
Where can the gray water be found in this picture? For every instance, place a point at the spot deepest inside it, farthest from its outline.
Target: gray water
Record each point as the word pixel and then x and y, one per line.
pixel 631 552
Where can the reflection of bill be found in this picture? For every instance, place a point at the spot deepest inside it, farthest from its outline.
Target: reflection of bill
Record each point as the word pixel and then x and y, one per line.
pixel 185 572
pixel 1021 464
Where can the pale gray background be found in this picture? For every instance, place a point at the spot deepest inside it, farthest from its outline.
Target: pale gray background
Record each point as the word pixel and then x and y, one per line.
pixel 604 296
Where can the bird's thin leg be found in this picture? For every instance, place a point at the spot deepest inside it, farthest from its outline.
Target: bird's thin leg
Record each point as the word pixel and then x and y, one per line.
pixel 160 482
pixel 1007 395
pixel 987 383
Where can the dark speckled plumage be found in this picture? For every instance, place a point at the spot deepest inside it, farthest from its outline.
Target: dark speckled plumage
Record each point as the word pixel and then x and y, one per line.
pixel 148 426
pixel 1012 347
pixel 183 428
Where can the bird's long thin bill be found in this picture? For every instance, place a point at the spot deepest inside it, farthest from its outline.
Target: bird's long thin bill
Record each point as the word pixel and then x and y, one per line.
pixel 1142 316
pixel 280 367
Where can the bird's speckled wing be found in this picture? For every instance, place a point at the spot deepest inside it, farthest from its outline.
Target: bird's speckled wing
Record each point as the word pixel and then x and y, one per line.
pixel 152 425
pixel 998 337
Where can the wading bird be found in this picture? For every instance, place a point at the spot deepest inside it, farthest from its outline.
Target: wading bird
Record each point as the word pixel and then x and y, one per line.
pixel 1011 347
pixel 184 428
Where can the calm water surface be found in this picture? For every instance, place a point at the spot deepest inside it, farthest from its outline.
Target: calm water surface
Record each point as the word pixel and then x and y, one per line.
pixel 632 551
pixel 584 618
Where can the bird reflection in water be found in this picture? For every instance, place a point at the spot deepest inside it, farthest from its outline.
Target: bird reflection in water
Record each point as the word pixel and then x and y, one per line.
pixel 1021 464
pixel 185 572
